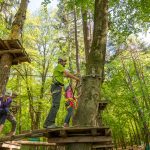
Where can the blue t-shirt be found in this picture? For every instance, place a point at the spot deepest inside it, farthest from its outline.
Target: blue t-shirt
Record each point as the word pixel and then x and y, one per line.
pixel 5 103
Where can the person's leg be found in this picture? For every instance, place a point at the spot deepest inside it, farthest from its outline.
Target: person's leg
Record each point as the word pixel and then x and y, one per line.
pixel 2 121
pixel 68 116
pixel 56 97
pixel 1 127
pixel 13 121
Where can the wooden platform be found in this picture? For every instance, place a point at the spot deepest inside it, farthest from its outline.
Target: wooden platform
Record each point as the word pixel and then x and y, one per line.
pixel 59 132
pixel 96 135
pixel 16 49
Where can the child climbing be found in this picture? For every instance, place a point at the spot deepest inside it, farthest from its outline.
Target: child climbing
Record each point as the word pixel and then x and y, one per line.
pixel 5 102
pixel 71 104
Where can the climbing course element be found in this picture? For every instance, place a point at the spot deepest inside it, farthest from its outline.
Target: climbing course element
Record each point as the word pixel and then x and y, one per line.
pixel 14 48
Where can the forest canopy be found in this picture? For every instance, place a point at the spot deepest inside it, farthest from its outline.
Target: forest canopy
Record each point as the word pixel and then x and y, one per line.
pixel 110 42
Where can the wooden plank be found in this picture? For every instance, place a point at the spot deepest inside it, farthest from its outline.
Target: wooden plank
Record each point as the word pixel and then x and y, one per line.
pixel 14 44
pixel 19 43
pixel 15 137
pixel 12 51
pixel 20 60
pixel 7 44
pixel 87 139
pixel 102 146
pixel 94 132
pixel 35 143
pixel 75 129
pixel 2 45
pixel 107 132
pixel 63 133
pixel 11 145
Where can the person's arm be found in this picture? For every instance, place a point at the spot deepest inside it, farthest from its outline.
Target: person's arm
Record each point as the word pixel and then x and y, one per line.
pixel 68 74
pixel 77 97
pixel 7 103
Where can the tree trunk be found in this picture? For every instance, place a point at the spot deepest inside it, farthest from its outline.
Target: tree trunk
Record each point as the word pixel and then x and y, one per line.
pixel 96 58
pixel 86 114
pixel 91 84
pixel 6 59
pixel 18 23
pixel 86 34
pixel 76 41
pixel 5 64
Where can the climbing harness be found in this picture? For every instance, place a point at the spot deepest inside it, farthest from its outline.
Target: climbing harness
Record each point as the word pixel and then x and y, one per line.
pixel 72 101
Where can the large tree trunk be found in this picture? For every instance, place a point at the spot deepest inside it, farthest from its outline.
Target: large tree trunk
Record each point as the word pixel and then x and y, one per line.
pixel 88 105
pixel 6 59
pixel 92 82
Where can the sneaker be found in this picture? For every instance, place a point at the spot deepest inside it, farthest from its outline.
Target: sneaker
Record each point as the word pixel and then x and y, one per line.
pixel 66 125
pixel 50 126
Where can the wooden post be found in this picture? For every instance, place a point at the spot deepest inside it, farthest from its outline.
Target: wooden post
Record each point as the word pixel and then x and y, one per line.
pixel 5 64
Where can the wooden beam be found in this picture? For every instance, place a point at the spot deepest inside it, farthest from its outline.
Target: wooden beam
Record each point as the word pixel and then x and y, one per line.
pixel 63 133
pixel 21 59
pixel 11 145
pixel 86 139
pixel 102 146
pixel 35 143
pixel 2 43
pixel 94 132
pixel 10 51
pixel 7 44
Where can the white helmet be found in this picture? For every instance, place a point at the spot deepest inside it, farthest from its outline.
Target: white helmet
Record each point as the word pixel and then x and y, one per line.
pixel 8 93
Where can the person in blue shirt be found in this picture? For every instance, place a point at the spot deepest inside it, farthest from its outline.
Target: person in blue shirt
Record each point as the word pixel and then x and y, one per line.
pixel 5 102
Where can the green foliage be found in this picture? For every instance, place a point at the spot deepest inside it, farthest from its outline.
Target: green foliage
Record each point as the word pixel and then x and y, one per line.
pixel 127 17
pixel 50 34
pixel 121 111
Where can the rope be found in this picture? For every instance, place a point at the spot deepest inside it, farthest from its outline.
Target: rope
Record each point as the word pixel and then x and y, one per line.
pixel 24 75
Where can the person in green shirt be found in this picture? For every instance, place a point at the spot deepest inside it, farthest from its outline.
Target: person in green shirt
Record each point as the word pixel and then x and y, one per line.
pixel 56 89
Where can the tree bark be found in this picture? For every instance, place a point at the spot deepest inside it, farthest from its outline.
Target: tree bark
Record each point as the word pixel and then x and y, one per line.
pixel 6 59
pixel 91 84
pixel 86 34
pixel 96 58
pixel 18 23
pixel 86 114
pixel 5 64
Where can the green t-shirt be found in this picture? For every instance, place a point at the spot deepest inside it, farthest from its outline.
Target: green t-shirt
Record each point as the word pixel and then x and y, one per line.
pixel 58 74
